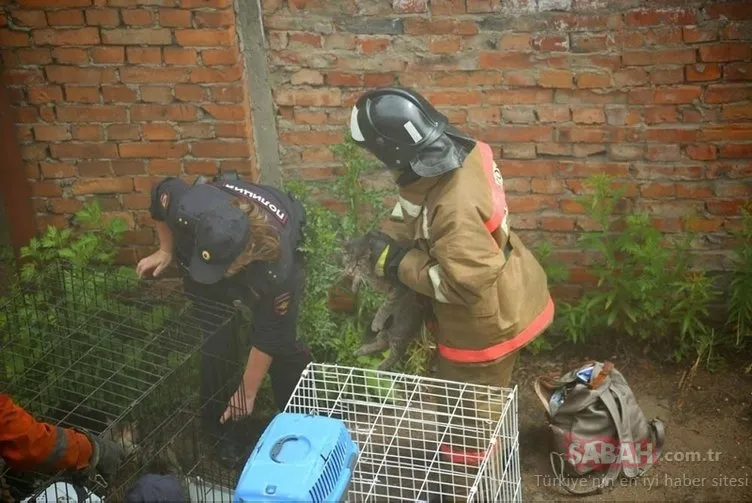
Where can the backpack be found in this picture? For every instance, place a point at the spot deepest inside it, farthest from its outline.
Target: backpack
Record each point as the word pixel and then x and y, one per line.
pixel 597 425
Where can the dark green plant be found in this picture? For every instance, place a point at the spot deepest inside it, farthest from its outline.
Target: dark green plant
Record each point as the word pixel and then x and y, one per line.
pixel 740 295
pixel 645 287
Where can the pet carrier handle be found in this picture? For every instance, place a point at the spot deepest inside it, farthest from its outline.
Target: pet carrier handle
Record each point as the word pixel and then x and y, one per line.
pixel 277 447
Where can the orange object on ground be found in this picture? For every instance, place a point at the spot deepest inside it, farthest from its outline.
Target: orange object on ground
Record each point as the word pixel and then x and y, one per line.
pixel 30 445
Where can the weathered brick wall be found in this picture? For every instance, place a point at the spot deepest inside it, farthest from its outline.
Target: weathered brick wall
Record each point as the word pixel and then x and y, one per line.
pixel 113 94
pixel 656 92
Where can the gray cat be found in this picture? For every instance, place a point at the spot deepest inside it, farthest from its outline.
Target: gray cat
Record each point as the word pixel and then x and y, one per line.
pixel 399 319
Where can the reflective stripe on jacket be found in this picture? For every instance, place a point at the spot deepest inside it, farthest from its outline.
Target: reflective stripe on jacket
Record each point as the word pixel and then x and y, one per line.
pixel 30 445
pixel 490 294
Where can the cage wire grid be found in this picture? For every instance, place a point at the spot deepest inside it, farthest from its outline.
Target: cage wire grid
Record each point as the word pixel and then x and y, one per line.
pixel 402 425
pixel 130 361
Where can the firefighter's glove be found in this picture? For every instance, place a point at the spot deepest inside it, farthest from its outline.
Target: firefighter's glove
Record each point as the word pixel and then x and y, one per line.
pixel 106 457
pixel 386 255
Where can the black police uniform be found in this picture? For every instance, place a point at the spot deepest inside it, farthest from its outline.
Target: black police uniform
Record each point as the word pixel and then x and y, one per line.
pixel 273 291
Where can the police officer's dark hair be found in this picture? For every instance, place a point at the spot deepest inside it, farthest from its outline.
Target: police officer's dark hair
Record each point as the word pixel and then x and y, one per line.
pixel 264 243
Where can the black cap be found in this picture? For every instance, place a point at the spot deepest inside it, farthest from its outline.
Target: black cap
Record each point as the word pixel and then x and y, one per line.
pixel 221 231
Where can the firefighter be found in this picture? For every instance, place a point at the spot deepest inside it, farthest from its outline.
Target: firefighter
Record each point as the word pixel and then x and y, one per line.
pixel 30 446
pixel 236 242
pixel 489 294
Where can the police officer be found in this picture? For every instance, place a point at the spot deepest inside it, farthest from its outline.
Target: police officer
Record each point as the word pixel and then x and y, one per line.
pixel 489 294
pixel 236 241
pixel 28 447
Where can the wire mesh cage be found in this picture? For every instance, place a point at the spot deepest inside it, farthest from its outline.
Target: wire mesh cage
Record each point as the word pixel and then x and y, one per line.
pixel 419 438
pixel 135 362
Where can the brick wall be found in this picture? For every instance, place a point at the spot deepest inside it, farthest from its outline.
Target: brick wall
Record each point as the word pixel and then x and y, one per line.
pixel 656 92
pixel 113 94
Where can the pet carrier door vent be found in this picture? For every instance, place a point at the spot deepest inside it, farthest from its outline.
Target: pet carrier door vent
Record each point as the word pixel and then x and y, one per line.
pixel 299 458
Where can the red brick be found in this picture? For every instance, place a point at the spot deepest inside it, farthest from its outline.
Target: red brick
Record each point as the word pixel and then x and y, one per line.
pixel 588 115
pixel 119 94
pixel 189 92
pixel 518 96
pixel 159 131
pixel 45 190
pixel 738 111
pixel 519 133
pixel 220 149
pixel 45 94
pixel 342 79
pixel 311 137
pixel 70 56
pixel 161 150
pixel 702 152
pixel 731 10
pixel 197 4
pixel 551 43
pixel 208 75
pixel 735 150
pixel 102 17
pixel 214 19
pixel 102 186
pixel 631 77
pixel 164 167
pixel 200 168
pixel 506 60
pixel 33 56
pixel 94 169
pixel 122 168
pixel 123 132
pixel 649 17
pixel 726 52
pixel 231 129
pixel 661 114
pixel 649 58
pixel 693 191
pixel 175 18
pixel 316 98
pixel 12 38
pixel 703 72
pixel 29 18
pixel 515 42
pixel 453 98
pixel 423 26
pixel 66 37
pixel 144 55
pixel 557 224
pixel 583 134
pixel 590 42
pixel 79 94
pixel 108 55
pixel 231 94
pixel 101 113
pixel 137 17
pixel 83 76
pixel 219 56
pixel 225 112
pixel 590 80
pixel 176 112
pixel 205 38
pixel 737 71
pixel 156 94
pixel 441 45
pixel 727 93
pixel 54 3
pixel 83 150
pixel 137 36
pixel 663 153
pixel 667 76
pixel 696 34
pixel 87 132
pixel 141 75
pixel 546 186
pixel 51 133
pixel 556 79
pixel 70 17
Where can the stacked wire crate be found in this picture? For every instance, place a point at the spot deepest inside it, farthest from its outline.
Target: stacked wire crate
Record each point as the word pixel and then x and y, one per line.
pixel 123 358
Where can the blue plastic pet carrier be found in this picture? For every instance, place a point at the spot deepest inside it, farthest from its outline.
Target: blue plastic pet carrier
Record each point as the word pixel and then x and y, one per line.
pixel 299 458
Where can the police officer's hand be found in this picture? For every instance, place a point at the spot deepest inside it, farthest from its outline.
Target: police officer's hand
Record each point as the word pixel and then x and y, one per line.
pixel 159 260
pixel 106 456
pixel 386 254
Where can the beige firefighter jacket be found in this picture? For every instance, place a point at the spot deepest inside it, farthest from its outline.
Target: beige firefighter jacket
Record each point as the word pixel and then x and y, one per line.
pixel 490 295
